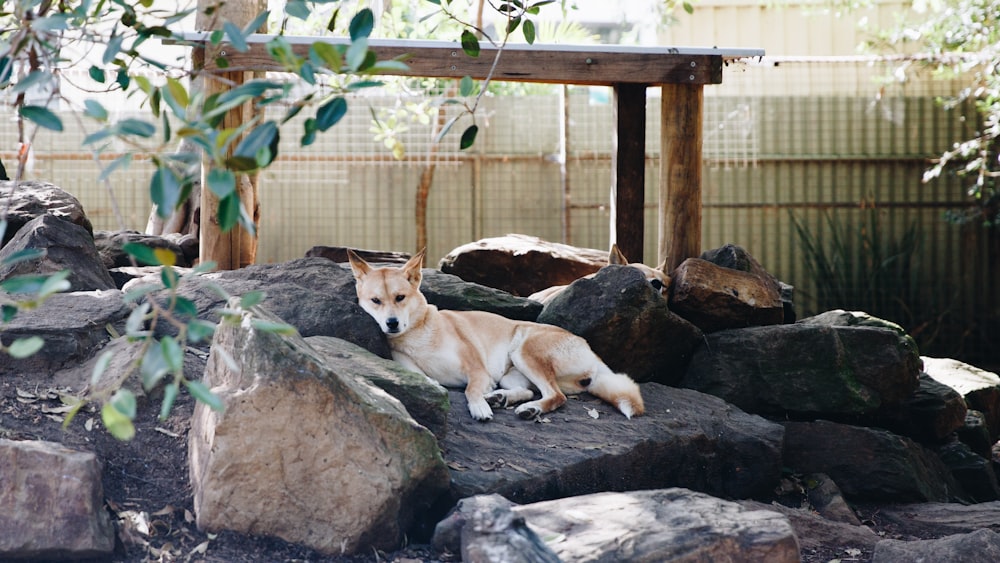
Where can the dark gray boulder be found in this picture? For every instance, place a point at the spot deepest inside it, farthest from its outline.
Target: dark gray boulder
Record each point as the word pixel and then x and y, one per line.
pixel 65 246
pixel 29 199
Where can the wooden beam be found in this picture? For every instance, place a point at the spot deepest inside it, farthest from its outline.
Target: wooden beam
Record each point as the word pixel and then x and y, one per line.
pixel 604 65
pixel 680 173
pixel 628 170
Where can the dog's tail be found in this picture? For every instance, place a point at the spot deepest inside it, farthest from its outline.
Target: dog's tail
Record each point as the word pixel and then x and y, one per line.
pixel 619 390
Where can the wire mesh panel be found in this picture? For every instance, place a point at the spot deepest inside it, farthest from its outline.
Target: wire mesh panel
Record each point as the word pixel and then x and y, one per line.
pixel 826 151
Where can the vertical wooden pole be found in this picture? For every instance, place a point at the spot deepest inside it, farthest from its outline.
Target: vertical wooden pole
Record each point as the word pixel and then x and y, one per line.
pixel 628 163
pixel 237 247
pixel 680 173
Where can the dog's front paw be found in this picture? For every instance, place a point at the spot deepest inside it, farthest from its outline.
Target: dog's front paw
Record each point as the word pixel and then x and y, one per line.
pixel 497 399
pixel 528 411
pixel 480 410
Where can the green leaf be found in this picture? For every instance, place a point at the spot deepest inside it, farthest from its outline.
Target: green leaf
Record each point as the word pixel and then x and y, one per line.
pixel 470 44
pixel 257 24
pixel 114 47
pixel 54 283
pixel 122 161
pixel 176 96
pixel 465 86
pixel 512 24
pixel 165 190
pixel 173 354
pixel 42 117
pixel 7 313
pixel 688 7
pixel 199 330
pixel 260 144
pixel 529 31
pixel 251 298
pixel 154 367
pixel 169 396
pixel 137 127
pixel 33 78
pixel 185 307
pixel 362 24
pixel 118 424
pixel 201 392
pixel 235 36
pixel 23 284
pixel 103 361
pixel 229 212
pixel 357 53
pixel 168 276
pixel 330 113
pixel 221 182
pixel 23 255
pixel 310 132
pixel 327 55
pixel 94 109
pixel 123 79
pixel 25 347
pixel 273 327
pixel 136 320
pixel 142 253
pixel 297 9
pixel 468 137
pixel 124 402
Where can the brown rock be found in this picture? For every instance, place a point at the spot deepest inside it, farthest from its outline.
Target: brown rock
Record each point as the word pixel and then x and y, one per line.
pixel 716 298
pixel 53 503
pixel 521 264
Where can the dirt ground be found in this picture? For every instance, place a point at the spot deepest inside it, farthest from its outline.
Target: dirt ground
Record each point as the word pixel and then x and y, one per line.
pixel 149 498
pixel 146 482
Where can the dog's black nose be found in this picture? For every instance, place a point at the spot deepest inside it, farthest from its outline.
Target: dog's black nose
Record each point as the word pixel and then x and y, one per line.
pixel 392 323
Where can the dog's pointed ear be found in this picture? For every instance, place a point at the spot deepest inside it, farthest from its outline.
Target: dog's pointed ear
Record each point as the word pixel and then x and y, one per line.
pixel 663 267
pixel 412 267
pixel 616 256
pixel 358 264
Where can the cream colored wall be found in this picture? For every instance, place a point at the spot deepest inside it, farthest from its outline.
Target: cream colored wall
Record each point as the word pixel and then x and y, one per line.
pixel 792 29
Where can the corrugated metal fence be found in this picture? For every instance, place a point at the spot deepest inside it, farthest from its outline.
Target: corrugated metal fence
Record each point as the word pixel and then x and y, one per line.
pixel 796 151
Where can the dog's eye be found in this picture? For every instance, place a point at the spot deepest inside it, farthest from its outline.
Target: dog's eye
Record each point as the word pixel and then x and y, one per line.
pixel 657 284
pixel 376 301
pixel 399 298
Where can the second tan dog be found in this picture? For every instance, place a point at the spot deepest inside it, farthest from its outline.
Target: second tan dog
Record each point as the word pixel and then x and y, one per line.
pixel 479 350
pixel 657 277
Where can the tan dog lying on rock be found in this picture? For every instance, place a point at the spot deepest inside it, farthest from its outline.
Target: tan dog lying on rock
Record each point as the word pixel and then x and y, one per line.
pixel 479 350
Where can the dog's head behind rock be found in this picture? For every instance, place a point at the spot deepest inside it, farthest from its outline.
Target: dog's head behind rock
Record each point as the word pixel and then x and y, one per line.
pixel 390 295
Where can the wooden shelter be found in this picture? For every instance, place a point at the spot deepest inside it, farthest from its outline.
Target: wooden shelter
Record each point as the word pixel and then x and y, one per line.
pixel 680 72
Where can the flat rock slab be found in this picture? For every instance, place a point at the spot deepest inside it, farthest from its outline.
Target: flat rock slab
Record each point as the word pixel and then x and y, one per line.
pixel 686 439
pixel 982 546
pixel 675 525
pixel 940 518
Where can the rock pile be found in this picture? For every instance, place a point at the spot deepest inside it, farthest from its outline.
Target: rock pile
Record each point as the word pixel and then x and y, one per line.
pixel 325 442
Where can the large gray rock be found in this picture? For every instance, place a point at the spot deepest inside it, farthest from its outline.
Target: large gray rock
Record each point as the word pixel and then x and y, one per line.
pixel 685 439
pixel 933 413
pixel 674 525
pixel 973 472
pixel 485 529
pixel 981 546
pixel 305 453
pixel 627 323
pixel 53 503
pixel 66 246
pixel 73 325
pixel 425 399
pixel 979 388
pixel 806 370
pixel 29 199
pixel 935 519
pixel 815 532
pixel 715 298
pixel 451 292
pixel 869 463
pixel 110 246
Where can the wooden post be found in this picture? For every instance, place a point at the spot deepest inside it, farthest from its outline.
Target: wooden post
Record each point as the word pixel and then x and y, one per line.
pixel 237 248
pixel 628 164
pixel 680 173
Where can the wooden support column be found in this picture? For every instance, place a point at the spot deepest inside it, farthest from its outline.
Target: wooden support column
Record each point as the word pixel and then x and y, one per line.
pixel 680 173
pixel 628 169
pixel 236 248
